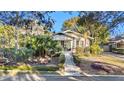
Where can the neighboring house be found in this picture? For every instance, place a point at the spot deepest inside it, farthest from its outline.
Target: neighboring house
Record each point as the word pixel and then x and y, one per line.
pixel 71 39
pixel 117 42
pixel 114 43
pixel 35 29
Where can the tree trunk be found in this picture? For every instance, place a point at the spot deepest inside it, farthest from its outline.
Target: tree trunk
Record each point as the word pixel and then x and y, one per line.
pixel 16 40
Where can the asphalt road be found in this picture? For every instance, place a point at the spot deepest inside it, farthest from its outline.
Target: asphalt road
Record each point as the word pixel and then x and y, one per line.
pixel 35 77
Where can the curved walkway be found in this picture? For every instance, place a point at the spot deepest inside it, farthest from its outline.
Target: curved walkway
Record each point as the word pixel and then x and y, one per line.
pixel 70 68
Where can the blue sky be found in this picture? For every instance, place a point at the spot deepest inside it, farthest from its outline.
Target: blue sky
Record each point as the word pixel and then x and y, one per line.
pixel 60 17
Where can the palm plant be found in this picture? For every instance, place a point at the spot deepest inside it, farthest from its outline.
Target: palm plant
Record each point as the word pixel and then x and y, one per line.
pixel 42 45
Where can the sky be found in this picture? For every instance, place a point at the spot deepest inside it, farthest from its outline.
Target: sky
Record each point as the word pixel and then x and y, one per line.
pixel 60 17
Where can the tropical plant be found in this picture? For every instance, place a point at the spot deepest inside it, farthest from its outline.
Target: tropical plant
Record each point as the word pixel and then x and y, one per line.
pixel 42 45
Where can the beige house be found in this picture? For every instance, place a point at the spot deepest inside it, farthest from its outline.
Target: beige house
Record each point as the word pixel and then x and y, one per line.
pixel 71 39
pixel 117 42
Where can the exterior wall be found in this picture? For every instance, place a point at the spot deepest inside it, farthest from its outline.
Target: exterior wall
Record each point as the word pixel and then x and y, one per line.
pixel 75 40
pixel 120 44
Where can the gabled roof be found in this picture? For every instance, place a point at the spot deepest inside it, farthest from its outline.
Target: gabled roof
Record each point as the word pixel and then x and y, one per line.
pixel 117 38
pixel 73 34
pixel 70 33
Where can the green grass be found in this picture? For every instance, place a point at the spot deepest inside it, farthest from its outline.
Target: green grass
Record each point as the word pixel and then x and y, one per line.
pixel 21 67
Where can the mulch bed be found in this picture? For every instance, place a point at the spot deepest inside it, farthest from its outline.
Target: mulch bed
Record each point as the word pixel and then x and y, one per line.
pixel 52 61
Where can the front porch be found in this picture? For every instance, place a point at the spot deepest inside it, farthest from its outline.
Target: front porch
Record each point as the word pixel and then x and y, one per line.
pixel 70 41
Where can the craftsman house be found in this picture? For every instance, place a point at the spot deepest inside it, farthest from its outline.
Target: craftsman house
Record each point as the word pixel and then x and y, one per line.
pixel 71 39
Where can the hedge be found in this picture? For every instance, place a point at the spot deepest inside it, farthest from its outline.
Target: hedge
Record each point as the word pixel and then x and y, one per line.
pixel 118 50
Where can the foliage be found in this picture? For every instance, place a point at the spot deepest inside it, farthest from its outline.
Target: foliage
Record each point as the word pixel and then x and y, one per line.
pixel 76 59
pixel 70 23
pixel 21 54
pixel 7 36
pixel 20 67
pixel 79 50
pixel 61 61
pixel 91 29
pixel 42 45
pixel 20 19
pixel 118 50
pixel 23 18
pixel 110 18
pixel 95 49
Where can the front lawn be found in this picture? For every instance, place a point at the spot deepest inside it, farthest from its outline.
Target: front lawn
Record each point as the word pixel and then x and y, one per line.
pixel 100 65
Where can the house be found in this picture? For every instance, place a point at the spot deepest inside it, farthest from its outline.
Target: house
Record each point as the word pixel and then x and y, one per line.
pixel 71 39
pixel 117 42
pixel 114 44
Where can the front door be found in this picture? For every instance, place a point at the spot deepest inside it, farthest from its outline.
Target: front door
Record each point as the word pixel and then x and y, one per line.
pixel 67 45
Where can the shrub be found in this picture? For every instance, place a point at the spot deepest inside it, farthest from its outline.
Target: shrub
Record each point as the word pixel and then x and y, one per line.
pixel 79 50
pixel 76 59
pixel 118 50
pixel 61 61
pixel 19 55
pixel 96 49
pixel 43 45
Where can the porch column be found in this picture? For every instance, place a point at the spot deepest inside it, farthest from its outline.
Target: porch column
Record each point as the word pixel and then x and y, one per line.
pixel 71 44
pixel 75 42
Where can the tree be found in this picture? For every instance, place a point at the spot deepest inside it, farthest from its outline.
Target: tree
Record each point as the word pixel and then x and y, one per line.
pixel 70 23
pixel 7 36
pixel 91 28
pixel 20 19
pixel 112 19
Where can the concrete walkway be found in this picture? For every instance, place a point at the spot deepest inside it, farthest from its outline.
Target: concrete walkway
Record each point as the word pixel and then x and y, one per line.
pixel 70 68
